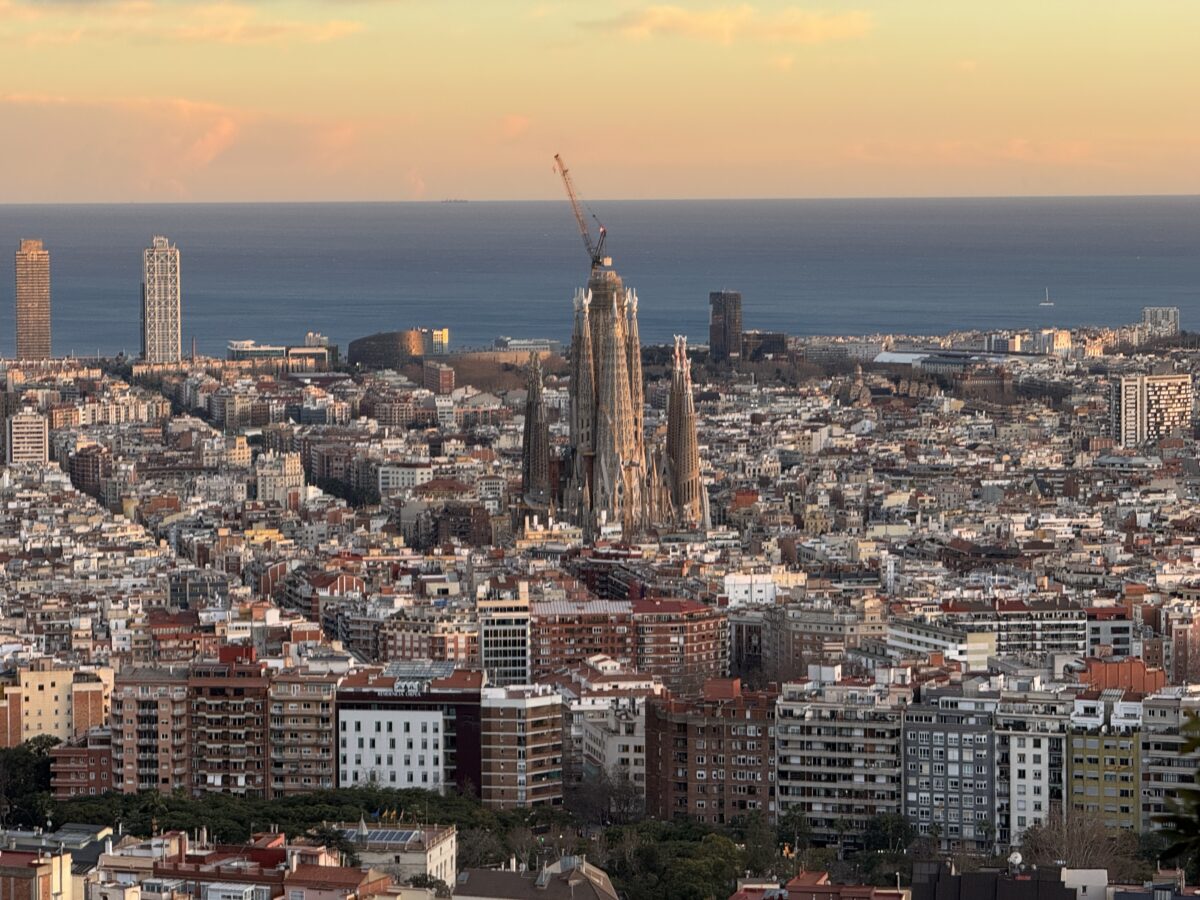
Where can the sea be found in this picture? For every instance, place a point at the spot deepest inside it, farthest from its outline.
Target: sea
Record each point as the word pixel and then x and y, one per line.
pixel 272 272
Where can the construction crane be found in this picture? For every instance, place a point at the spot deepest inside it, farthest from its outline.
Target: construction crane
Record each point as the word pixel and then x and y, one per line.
pixel 595 250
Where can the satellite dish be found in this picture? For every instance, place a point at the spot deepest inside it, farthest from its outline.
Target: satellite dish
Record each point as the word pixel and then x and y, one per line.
pixel 1015 858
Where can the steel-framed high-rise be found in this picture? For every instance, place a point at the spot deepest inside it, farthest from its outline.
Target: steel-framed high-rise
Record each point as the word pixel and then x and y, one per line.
pixel 161 342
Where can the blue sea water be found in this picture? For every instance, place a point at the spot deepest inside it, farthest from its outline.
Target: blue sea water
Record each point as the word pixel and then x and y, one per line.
pixel 274 271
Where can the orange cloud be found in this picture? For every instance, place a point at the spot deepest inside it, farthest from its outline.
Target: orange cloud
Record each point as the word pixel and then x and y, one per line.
pixel 416 184
pixel 144 20
pixel 971 153
pixel 730 24
pixel 513 126
pixel 227 23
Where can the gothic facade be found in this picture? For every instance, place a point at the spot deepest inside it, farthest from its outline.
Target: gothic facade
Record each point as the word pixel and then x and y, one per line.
pixel 612 476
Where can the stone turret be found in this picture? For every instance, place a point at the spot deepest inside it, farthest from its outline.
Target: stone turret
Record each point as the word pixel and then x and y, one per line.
pixel 535 461
pixel 683 447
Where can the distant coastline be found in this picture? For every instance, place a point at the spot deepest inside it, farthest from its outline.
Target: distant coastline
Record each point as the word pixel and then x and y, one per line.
pixel 271 272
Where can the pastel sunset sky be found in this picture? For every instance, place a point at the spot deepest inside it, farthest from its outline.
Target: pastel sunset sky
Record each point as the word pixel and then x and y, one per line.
pixel 216 100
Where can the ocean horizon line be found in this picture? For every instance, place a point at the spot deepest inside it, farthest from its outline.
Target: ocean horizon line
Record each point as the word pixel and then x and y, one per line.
pixel 452 200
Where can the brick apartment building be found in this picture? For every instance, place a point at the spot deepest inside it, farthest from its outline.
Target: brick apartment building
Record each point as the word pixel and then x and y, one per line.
pixel 228 702
pixel 521 746
pixel 303 745
pixel 82 767
pixel 149 725
pixel 566 632
pixel 711 758
pixel 684 642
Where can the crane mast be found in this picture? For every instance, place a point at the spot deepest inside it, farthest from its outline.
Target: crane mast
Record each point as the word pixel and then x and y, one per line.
pixel 595 249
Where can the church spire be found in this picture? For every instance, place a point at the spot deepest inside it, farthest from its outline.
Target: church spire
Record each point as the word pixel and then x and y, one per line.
pixel 608 481
pixel 683 447
pixel 535 460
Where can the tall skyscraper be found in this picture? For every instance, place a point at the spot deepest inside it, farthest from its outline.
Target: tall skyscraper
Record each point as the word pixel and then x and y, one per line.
pixel 1161 321
pixel 724 325
pixel 1146 408
pixel 33 301
pixel 161 303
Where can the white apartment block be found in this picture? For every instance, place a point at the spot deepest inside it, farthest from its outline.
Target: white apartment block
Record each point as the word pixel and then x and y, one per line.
pixel 399 476
pixel 391 748
pixel 1147 408
pixel 907 637
pixel 616 744
pixel 27 438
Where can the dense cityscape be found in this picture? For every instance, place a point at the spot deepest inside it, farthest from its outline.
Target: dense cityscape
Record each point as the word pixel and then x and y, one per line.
pixel 774 616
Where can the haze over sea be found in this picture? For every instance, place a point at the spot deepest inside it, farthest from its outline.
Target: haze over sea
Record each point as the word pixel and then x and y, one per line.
pixel 271 272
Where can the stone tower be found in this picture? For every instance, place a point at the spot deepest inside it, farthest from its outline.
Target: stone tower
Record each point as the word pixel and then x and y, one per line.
pixel 682 475
pixel 535 460
pixel 607 401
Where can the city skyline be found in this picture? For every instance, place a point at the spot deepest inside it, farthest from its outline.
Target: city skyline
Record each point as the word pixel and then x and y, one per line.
pixel 725 99
pixel 775 547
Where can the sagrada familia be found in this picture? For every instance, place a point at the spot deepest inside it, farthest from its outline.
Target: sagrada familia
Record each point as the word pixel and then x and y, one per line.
pixel 611 475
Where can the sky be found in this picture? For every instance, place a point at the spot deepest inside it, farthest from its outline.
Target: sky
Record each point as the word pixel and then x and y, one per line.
pixel 294 100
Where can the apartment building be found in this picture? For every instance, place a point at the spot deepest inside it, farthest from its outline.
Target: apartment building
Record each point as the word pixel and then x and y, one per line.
pixel 521 746
pixel 410 724
pixel 150 726
pixel 279 478
pixel 816 632
pixel 27 438
pixel 1146 408
pixel 602 692
pixel 1024 627
pixel 82 767
pixel 711 758
pixel 1031 730
pixel 1104 758
pixel 1164 763
pixel 51 698
pixel 504 649
pixel 909 637
pixel 564 632
pixel 303 740
pixel 229 730
pixel 428 631
pixel 949 758
pixel 838 752
pixel 615 744
pixel 683 642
